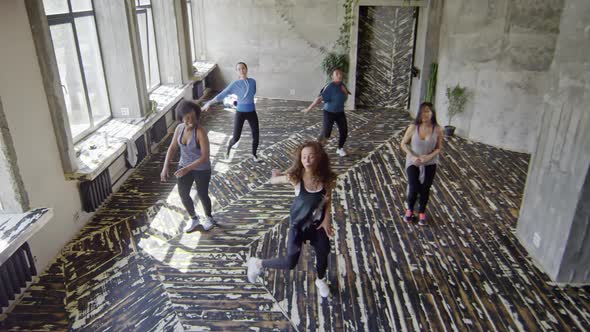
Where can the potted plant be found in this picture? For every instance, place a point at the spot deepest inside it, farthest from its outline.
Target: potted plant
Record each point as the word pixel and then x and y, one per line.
pixel 456 99
pixel 334 60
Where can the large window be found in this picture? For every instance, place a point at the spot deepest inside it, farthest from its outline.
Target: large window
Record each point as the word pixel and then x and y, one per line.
pixel 147 37
pixel 77 51
pixel 189 9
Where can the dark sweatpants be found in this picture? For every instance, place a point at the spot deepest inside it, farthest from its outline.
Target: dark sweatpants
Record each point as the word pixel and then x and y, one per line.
pixel 239 119
pixel 340 119
pixel 185 183
pixel 317 238
pixel 415 188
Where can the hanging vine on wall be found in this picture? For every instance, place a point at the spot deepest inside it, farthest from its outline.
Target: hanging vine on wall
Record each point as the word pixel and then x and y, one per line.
pixel 339 57
pixel 336 55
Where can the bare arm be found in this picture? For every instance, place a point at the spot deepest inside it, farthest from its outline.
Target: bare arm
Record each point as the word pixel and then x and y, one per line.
pixel 327 221
pixel 172 151
pixel 405 145
pixel 279 178
pixel 315 103
pixel 439 145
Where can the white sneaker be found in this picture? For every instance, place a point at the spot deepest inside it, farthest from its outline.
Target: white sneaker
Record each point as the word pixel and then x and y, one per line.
pixel 253 269
pixel 255 159
pixel 341 152
pixel 208 223
pixel 322 287
pixel 191 224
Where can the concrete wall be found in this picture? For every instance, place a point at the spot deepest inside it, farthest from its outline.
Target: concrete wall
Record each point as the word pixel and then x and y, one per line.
pixel 427 42
pixel 501 51
pixel 554 219
pixel 27 114
pixel 13 196
pixel 281 52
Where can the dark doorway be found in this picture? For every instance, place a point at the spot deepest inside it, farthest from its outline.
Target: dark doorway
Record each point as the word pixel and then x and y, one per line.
pixel 384 56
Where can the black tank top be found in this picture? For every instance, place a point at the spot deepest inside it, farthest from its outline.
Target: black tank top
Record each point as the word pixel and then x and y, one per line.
pixel 307 207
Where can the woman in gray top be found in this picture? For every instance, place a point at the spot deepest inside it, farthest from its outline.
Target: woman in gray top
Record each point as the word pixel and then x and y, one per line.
pixel 194 166
pixel 422 144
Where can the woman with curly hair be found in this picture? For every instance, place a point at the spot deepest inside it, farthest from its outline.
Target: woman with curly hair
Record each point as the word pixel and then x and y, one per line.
pixel 313 180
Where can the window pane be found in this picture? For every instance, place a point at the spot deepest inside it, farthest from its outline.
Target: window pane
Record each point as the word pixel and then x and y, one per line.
pixel 190 29
pixel 93 70
pixel 53 7
pixel 144 2
pixel 81 5
pixel 154 68
pixel 143 39
pixel 71 78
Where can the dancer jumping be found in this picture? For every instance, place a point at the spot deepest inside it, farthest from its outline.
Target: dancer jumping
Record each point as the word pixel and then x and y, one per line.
pixel 313 181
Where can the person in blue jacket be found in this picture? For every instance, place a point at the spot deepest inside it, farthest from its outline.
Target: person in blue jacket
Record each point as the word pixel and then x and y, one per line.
pixel 245 89
pixel 334 96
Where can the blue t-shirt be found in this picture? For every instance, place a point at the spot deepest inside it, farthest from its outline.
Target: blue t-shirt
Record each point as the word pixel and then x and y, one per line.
pixel 244 90
pixel 334 98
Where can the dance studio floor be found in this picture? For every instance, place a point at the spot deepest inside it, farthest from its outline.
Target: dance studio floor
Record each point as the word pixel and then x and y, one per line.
pixel 132 268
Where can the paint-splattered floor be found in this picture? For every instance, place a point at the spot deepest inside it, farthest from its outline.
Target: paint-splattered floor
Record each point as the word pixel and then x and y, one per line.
pixel 131 267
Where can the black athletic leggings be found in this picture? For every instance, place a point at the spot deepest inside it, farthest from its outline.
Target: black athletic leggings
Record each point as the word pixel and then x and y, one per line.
pixel 185 183
pixel 317 238
pixel 416 188
pixel 239 119
pixel 340 119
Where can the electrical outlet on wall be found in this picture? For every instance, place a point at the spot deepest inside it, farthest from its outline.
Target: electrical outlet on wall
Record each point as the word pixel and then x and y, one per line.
pixel 536 240
pixel 125 111
pixel 292 92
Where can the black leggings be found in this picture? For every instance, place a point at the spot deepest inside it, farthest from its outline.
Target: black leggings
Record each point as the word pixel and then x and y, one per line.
pixel 239 119
pixel 185 183
pixel 416 188
pixel 317 238
pixel 340 119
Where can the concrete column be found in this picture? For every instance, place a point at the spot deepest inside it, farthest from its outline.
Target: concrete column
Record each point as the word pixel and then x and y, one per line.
pixel 167 41
pixel 182 26
pixel 13 196
pixel 121 55
pixel 52 84
pixel 554 218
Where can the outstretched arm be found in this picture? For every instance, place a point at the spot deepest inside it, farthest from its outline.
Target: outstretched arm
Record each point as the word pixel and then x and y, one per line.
pixel 278 177
pixel 228 90
pixel 315 103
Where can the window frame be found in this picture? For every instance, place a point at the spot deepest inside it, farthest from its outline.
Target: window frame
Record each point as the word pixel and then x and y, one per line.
pixel 70 18
pixel 143 9
pixel 191 34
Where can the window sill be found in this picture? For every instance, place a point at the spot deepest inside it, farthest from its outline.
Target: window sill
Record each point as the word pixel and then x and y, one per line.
pixel 16 229
pixel 204 68
pixel 105 145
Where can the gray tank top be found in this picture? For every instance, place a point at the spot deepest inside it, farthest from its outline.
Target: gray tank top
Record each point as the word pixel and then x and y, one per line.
pixel 191 151
pixel 421 147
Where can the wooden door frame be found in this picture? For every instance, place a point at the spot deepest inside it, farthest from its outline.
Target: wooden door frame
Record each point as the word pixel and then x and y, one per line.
pixel 354 37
